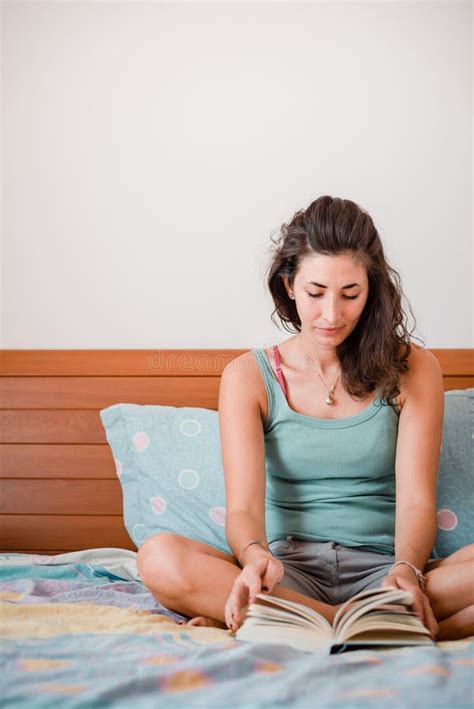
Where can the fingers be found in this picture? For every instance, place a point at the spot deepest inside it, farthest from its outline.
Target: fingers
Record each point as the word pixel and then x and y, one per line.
pixel 273 575
pixel 430 619
pixel 235 619
pixel 261 576
pixel 423 610
pixel 254 587
pixel 232 610
pixel 421 605
pixel 417 605
pixel 243 592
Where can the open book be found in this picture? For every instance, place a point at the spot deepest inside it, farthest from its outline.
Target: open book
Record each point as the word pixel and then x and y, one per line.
pixel 377 617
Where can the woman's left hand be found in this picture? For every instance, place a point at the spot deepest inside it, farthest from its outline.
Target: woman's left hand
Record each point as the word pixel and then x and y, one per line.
pixel 421 604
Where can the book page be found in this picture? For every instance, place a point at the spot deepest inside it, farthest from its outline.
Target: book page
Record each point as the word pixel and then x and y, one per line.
pixel 367 608
pixel 257 612
pixel 365 626
pixel 369 595
pixel 353 609
pixel 298 609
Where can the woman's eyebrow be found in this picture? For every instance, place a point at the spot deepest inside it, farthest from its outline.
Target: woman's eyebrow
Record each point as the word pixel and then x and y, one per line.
pixel 320 285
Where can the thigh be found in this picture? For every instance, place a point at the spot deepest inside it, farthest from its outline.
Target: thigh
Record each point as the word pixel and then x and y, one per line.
pixel 460 556
pixel 450 588
pixel 167 543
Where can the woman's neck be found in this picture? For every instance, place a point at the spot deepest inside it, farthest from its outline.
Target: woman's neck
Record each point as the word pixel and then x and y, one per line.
pixel 313 357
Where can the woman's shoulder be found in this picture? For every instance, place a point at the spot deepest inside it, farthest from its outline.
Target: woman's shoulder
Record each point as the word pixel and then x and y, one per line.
pixel 243 365
pixel 243 372
pixel 422 360
pixel 424 371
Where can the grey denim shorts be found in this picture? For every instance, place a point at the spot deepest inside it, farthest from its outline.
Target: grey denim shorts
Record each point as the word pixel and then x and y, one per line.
pixel 327 571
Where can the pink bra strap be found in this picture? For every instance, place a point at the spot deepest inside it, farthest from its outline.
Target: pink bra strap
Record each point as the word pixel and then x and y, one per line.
pixel 279 372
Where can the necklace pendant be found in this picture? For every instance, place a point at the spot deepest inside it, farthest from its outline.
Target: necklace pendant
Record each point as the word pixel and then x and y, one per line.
pixel 329 400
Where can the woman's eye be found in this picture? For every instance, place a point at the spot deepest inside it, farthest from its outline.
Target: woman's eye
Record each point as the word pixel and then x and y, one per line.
pixel 346 297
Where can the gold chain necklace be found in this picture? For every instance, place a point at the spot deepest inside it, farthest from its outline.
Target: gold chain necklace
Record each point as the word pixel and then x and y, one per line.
pixel 330 397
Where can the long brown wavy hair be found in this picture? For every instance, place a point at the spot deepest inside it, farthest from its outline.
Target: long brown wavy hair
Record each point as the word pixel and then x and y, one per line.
pixel 376 352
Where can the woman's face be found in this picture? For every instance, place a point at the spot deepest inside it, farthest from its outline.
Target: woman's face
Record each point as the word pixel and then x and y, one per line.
pixel 329 292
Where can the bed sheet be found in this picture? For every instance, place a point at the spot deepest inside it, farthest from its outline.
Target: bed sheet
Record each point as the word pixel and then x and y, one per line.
pixel 81 630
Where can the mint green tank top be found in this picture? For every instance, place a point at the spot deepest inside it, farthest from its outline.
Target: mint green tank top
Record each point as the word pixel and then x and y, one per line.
pixel 329 479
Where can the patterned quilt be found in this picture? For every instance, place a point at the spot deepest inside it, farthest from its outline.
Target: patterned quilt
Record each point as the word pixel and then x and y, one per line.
pixel 81 630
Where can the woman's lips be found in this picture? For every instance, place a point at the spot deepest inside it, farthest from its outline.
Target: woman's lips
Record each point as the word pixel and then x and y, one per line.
pixel 329 330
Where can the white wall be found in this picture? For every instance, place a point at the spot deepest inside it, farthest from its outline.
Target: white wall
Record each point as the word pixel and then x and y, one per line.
pixel 149 150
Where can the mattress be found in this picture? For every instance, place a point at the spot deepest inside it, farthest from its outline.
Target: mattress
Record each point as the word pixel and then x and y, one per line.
pixel 81 630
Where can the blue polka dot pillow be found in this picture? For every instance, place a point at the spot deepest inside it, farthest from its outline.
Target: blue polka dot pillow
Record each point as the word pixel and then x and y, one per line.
pixel 169 464
pixel 455 494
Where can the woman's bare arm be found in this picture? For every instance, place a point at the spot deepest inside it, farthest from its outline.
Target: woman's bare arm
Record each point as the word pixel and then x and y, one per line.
pixel 417 459
pixel 243 457
pixel 416 466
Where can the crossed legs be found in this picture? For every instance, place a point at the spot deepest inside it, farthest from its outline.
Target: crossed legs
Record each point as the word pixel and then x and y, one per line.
pixel 195 579
pixel 450 588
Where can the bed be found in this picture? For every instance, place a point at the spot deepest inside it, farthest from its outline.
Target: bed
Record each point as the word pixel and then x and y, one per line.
pixel 78 627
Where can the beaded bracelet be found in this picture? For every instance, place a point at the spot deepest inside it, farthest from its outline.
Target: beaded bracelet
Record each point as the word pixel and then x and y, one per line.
pixel 262 544
pixel 418 573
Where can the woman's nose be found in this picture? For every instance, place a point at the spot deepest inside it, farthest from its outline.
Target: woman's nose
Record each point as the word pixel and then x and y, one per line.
pixel 331 314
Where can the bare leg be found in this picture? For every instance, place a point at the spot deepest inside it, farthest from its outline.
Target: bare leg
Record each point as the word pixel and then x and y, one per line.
pixel 195 579
pixel 456 626
pixel 450 589
pixel 464 554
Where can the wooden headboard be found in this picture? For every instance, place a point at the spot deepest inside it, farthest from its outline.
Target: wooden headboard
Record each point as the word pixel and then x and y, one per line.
pixel 59 490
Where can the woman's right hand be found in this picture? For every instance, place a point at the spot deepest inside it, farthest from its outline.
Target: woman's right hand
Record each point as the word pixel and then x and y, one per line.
pixel 261 575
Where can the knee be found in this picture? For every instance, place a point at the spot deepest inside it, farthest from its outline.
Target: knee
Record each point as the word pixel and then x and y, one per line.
pixel 465 553
pixel 160 563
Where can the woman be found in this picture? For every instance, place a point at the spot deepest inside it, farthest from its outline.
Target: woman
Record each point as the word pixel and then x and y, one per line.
pixel 330 445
